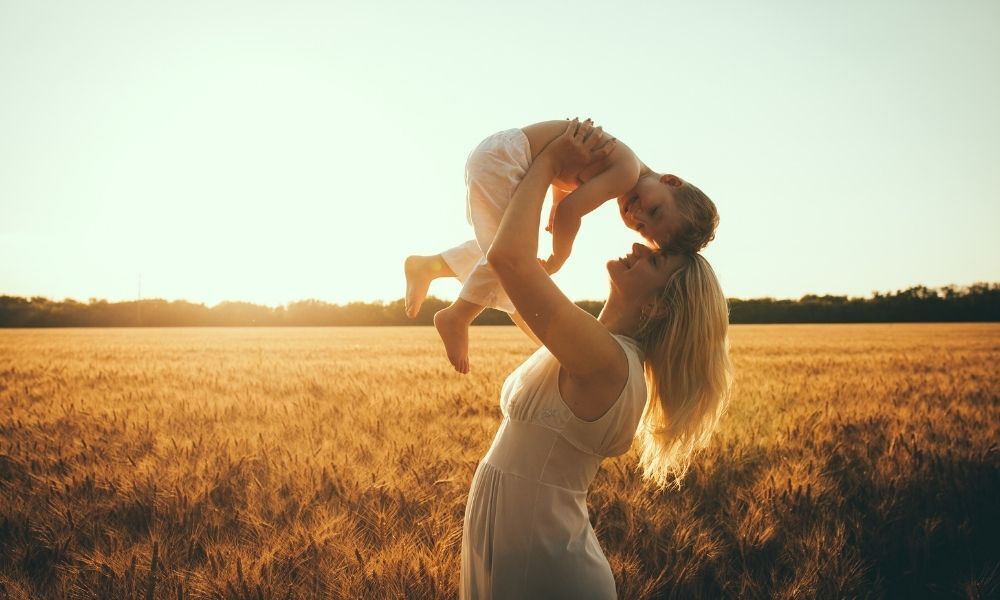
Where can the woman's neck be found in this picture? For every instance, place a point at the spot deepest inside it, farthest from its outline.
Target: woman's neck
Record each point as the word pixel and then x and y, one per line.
pixel 619 318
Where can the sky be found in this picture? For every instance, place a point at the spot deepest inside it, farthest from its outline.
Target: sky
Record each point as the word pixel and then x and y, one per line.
pixel 279 151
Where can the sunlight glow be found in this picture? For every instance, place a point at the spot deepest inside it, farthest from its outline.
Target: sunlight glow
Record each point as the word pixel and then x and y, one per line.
pixel 303 150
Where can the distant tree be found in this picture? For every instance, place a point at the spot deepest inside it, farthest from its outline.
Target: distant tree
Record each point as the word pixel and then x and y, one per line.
pixel 977 302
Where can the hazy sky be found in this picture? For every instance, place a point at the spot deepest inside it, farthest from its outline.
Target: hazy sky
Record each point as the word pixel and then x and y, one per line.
pixel 279 151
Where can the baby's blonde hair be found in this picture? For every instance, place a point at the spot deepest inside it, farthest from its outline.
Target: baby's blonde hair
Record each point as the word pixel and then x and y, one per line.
pixel 699 218
pixel 687 366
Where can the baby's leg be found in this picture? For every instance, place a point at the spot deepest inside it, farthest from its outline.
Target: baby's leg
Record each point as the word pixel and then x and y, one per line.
pixel 492 172
pixel 452 324
pixel 420 272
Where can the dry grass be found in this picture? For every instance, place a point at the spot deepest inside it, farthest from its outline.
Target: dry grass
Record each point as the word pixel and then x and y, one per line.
pixel 855 461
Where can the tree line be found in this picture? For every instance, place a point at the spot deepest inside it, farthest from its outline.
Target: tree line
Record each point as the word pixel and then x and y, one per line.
pixel 977 302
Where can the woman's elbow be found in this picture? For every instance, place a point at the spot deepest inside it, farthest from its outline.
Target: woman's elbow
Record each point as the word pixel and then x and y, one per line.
pixel 501 260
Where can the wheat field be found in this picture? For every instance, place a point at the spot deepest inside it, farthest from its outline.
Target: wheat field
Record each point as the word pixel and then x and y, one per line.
pixel 855 461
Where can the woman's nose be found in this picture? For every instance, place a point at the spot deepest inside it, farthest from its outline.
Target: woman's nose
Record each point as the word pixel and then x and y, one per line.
pixel 639 249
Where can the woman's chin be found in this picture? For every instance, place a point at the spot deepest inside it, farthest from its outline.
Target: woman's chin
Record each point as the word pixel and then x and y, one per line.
pixel 615 267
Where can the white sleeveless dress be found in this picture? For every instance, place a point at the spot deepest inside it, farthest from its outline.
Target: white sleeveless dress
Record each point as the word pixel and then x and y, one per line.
pixel 527 533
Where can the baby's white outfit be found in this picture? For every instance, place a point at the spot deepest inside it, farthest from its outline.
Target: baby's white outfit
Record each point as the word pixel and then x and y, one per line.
pixel 492 173
pixel 526 532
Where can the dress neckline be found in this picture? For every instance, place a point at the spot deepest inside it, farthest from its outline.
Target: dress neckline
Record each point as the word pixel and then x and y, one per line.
pixel 632 342
pixel 627 337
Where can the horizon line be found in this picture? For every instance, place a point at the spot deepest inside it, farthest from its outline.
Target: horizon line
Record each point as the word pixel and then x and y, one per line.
pixel 95 299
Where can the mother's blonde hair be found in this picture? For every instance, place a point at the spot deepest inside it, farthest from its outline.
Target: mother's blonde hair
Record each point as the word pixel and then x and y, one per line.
pixel 686 345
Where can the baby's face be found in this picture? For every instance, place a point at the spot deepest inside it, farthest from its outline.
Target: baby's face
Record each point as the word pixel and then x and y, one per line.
pixel 650 208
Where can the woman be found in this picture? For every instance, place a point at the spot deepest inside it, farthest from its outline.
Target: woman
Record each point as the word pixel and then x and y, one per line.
pixel 582 396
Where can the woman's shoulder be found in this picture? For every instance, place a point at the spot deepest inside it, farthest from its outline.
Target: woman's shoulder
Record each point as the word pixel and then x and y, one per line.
pixel 635 380
pixel 611 433
pixel 592 397
pixel 634 355
pixel 629 344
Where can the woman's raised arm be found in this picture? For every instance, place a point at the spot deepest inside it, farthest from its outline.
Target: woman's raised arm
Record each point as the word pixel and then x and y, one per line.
pixel 578 341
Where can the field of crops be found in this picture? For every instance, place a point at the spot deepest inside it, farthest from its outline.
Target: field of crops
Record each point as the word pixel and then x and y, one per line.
pixel 855 461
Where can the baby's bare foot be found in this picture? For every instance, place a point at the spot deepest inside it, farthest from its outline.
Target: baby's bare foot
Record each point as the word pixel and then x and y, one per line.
pixel 419 275
pixel 454 332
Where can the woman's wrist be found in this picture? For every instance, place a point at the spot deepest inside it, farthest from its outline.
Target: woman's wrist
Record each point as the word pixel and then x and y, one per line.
pixel 547 162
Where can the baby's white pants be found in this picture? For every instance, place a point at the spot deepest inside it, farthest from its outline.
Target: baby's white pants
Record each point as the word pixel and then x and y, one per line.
pixel 492 173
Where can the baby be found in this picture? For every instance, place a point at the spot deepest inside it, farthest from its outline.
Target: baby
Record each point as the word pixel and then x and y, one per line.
pixel 668 212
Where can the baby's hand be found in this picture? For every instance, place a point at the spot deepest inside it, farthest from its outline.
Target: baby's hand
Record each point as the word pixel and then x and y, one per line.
pixel 553 263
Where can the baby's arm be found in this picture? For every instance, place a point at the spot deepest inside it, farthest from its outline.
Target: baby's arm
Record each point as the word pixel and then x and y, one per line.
pixel 610 183
pixel 558 195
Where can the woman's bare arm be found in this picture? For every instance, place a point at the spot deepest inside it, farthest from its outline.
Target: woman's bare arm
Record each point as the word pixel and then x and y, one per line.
pixel 578 341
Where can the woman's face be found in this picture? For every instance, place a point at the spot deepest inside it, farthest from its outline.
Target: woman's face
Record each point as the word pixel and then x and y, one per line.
pixel 641 274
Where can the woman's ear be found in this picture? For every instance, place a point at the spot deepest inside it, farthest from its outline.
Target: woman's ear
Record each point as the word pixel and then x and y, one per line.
pixel 654 309
pixel 647 310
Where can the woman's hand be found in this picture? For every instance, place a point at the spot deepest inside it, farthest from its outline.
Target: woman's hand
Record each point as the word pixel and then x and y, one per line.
pixel 580 145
